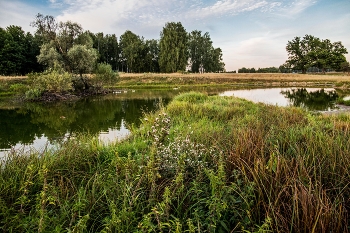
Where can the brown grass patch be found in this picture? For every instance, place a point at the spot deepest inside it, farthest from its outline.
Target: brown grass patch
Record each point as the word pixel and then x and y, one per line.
pixel 12 77
pixel 339 77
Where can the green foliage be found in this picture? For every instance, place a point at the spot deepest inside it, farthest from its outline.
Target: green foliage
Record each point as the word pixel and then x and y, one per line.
pixel 65 45
pixel 49 57
pixel 18 51
pixel 345 66
pixel 202 164
pixel 104 75
pixel 173 46
pixel 261 70
pixel 33 93
pixel 51 81
pixel 310 51
pixel 203 56
pixel 107 47
pixel 344 102
pixel 51 45
pixel 19 88
pixel 82 59
pixel 131 51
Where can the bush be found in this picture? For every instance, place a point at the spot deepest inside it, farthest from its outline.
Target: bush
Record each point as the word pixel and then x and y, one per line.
pixel 104 75
pixel 18 87
pixel 51 81
pixel 32 94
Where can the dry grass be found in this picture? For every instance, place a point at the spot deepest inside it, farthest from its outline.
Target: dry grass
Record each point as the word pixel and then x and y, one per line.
pixel 12 77
pixel 338 77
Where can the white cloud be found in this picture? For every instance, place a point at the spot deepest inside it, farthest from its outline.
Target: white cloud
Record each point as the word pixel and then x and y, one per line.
pixel 296 7
pixel 229 7
pixel 116 16
pixel 262 51
pixel 17 13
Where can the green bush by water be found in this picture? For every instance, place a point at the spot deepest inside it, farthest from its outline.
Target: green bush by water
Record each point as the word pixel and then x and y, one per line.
pixel 202 164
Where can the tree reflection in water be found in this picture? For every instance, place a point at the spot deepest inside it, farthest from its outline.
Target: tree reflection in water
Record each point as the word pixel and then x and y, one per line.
pixel 57 120
pixel 312 100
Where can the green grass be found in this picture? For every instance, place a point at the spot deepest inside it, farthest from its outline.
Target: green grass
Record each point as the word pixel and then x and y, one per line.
pixel 201 164
pixel 344 102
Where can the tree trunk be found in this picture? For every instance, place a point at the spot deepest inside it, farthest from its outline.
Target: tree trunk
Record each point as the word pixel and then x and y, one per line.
pixel 86 85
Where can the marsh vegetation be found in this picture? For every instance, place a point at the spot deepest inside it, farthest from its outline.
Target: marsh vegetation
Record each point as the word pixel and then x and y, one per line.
pixel 202 163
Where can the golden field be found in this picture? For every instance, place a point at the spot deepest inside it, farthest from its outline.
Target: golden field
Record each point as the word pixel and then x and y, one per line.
pixel 336 77
pixel 341 80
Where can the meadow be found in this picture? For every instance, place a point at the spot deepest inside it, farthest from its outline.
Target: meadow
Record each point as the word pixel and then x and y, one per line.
pixel 200 164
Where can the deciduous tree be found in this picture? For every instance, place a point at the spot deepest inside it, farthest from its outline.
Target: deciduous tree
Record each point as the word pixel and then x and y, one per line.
pixel 131 46
pixel 173 55
pixel 310 51
pixel 59 39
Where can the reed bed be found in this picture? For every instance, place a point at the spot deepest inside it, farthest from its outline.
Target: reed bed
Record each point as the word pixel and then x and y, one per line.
pixel 201 164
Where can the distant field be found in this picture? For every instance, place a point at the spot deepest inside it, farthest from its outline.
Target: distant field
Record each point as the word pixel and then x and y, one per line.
pixel 334 77
pixel 261 76
pixel 12 77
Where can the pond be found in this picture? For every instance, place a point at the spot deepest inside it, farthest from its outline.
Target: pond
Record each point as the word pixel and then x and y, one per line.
pixel 36 126
pixel 313 99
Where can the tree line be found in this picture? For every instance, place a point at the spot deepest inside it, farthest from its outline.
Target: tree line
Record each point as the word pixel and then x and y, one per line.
pixel 311 52
pixel 67 45
pixel 259 70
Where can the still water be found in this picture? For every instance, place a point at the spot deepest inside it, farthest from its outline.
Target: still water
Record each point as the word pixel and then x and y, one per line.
pixel 36 126
pixel 313 99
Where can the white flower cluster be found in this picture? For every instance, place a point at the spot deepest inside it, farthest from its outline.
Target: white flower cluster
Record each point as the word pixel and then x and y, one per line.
pixel 182 155
pixel 160 129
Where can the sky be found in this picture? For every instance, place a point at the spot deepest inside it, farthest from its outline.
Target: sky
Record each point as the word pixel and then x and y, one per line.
pixel 251 33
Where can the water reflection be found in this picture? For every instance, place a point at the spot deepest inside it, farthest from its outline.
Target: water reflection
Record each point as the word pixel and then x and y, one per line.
pixel 318 100
pixel 37 123
pixel 310 98
pixel 35 126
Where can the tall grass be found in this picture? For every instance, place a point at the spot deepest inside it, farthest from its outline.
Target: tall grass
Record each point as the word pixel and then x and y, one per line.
pixel 202 164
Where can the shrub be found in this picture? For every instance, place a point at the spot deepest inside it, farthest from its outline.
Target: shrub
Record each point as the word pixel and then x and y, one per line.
pixel 105 75
pixel 32 94
pixel 52 81
pixel 18 87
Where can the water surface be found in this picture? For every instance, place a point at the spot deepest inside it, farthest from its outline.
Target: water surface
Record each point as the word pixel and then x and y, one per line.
pixel 314 99
pixel 36 126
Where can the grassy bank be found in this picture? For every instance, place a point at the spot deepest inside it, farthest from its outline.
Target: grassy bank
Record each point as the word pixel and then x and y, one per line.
pixel 156 80
pixel 202 164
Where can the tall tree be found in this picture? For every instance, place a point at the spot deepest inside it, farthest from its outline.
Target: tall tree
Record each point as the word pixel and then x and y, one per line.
pixel 131 46
pixel 152 56
pixel 310 51
pixel 216 63
pixel 18 51
pixel 12 50
pixel 173 53
pixel 107 47
pixel 200 48
pixel 59 39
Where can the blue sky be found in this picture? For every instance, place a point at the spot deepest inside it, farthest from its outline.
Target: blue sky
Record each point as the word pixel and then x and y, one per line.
pixel 251 33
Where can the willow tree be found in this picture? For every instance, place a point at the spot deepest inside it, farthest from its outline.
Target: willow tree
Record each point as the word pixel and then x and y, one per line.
pixel 61 37
pixel 173 55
